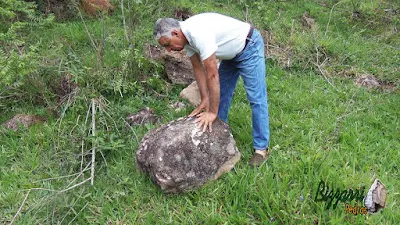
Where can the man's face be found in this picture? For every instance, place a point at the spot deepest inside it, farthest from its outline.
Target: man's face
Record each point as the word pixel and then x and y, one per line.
pixel 175 43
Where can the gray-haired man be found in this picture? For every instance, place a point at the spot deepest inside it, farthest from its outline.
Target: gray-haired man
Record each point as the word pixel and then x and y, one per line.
pixel 206 37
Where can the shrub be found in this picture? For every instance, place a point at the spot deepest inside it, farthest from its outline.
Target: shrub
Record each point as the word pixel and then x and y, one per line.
pixel 17 58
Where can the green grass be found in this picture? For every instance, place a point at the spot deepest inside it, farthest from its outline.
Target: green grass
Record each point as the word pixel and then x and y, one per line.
pixel 331 131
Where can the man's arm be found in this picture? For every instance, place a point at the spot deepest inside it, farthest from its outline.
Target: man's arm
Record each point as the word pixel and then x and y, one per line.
pixel 205 119
pixel 210 65
pixel 200 76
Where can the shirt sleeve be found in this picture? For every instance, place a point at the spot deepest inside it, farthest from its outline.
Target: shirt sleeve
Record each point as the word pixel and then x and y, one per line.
pixel 189 50
pixel 205 43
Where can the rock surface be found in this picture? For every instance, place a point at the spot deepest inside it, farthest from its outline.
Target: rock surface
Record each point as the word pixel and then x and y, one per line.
pixel 192 94
pixel 177 64
pixel 178 67
pixel 179 157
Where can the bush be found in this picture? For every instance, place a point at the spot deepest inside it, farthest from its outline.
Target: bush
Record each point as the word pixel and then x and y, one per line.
pixel 63 10
pixel 17 58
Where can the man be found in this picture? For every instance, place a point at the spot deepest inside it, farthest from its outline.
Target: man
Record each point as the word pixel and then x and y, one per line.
pixel 206 37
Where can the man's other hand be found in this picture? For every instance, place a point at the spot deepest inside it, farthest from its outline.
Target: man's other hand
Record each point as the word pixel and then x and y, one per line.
pixel 203 107
pixel 205 119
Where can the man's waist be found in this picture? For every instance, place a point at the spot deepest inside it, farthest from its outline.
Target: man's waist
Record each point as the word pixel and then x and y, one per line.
pixel 249 35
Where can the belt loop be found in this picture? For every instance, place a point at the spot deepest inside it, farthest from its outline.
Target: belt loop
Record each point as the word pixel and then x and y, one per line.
pixel 250 32
pixel 249 35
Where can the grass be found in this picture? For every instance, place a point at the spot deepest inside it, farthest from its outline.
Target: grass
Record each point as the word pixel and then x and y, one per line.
pixel 335 132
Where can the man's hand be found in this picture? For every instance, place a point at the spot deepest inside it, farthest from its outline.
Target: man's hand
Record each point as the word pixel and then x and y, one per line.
pixel 208 82
pixel 206 119
pixel 203 107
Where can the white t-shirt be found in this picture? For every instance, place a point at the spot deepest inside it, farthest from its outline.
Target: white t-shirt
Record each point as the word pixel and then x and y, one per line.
pixel 211 32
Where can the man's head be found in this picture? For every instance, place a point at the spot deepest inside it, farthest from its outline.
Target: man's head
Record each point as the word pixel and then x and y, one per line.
pixel 168 33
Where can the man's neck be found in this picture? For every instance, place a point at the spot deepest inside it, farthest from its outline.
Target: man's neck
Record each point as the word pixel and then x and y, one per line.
pixel 183 36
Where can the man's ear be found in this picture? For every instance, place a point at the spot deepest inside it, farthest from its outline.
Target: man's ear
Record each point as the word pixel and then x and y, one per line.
pixel 175 33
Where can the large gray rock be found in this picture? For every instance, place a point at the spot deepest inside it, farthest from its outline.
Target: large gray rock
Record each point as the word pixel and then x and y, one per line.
pixel 180 157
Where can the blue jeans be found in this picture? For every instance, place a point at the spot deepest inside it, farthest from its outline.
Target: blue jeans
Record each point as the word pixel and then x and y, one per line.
pixel 250 64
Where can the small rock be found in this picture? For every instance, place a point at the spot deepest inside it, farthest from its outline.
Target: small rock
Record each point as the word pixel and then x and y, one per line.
pixel 272 219
pixel 192 94
pixel 178 106
pixel 178 67
pixel 91 7
pixel 368 81
pixel 376 197
pixel 308 21
pixel 144 115
pixel 153 52
pixel 177 64
pixel 24 120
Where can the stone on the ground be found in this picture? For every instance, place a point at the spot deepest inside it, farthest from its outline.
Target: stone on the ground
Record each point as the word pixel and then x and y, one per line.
pixel 192 94
pixel 153 52
pixel 376 197
pixel 145 115
pixel 179 157
pixel 91 7
pixel 177 106
pixel 23 120
pixel 178 67
pixel 177 64
pixel 368 81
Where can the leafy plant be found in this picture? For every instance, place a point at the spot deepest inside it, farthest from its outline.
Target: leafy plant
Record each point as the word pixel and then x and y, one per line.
pixel 17 58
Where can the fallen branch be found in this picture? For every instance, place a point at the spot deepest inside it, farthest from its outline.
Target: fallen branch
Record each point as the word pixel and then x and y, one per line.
pixel 93 147
pixel 60 191
pixel 71 208
pixel 78 213
pixel 45 189
pixel 20 208
pixel 137 139
pixel 60 177
pixel 290 45
pixel 330 16
pixel 123 21
pixel 83 143
pixel 323 75
pixel 76 185
pixel 79 174
pixel 321 70
pixel 86 29
pixel 158 94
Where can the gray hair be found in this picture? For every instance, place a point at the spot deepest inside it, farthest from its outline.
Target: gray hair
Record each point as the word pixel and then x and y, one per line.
pixel 164 27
